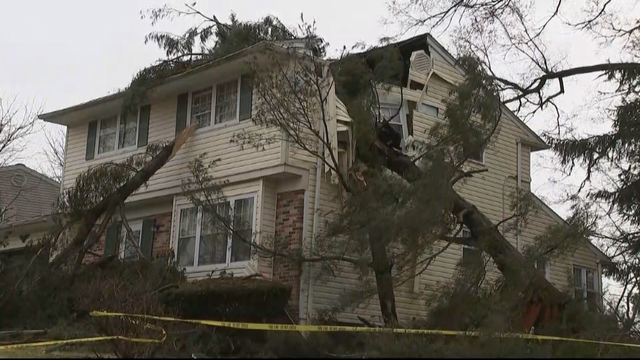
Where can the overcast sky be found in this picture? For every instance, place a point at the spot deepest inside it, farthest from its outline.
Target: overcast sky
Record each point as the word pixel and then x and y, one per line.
pixel 61 53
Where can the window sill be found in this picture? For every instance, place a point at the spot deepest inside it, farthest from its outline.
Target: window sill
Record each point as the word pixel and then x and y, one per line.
pixel 116 153
pixel 215 127
pixel 477 162
pixel 233 267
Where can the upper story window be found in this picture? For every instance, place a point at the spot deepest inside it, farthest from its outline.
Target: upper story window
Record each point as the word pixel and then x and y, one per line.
pixel 220 103
pixel 428 109
pixel 474 153
pixel 117 132
pixel 205 241
pixel 393 114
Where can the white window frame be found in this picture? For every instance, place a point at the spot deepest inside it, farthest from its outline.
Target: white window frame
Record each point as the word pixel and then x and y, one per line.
pixel 228 265
pixel 418 108
pixel 134 225
pixel 583 272
pixel 117 137
pixel 214 88
pixel 547 269
pixel 402 115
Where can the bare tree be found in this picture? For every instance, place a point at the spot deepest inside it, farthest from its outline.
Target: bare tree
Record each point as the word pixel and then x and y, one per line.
pixel 17 121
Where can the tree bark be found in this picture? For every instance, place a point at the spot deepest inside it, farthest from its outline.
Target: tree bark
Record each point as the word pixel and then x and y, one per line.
pixel 519 275
pixel 118 196
pixel 384 281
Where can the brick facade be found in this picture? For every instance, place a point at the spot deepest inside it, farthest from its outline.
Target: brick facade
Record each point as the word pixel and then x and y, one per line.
pixel 289 232
pixel 161 240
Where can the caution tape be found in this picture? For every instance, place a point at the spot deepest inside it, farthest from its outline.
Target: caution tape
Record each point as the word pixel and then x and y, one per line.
pixel 92 339
pixel 332 328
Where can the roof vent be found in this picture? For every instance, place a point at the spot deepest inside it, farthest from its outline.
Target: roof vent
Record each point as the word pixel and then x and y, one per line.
pixel 421 62
pixel 18 180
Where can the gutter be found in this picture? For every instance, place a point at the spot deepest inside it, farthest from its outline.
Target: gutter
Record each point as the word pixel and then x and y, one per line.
pixel 519 176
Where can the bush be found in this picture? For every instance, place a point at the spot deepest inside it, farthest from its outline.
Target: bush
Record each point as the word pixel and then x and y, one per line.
pixel 251 300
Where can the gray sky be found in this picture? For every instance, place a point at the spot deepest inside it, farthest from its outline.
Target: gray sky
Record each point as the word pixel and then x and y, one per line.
pixel 60 53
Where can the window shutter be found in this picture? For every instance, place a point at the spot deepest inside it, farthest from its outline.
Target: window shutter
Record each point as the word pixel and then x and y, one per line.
pixel 91 140
pixel 181 112
pixel 143 127
pixel 111 237
pixel 246 94
pixel 146 241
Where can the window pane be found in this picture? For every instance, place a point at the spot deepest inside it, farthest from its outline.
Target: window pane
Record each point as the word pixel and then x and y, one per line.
pixel 591 280
pixel 186 251
pixel 592 300
pixel 130 251
pixel 127 136
pixel 243 225
pixel 471 255
pixel 428 109
pixel 577 278
pixel 201 107
pixel 214 235
pixel 392 113
pixel 187 237
pixel 226 101
pixel 107 136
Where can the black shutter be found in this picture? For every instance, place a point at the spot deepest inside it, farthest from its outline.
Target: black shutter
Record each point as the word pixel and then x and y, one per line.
pixel 246 94
pixel 91 140
pixel 111 238
pixel 146 242
pixel 143 128
pixel 181 112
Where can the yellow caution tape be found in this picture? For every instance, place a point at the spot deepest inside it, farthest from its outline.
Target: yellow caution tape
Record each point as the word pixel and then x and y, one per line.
pixel 92 339
pixel 325 328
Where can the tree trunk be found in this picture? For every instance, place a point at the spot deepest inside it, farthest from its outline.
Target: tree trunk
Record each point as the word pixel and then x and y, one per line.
pixel 384 281
pixel 118 196
pixel 519 275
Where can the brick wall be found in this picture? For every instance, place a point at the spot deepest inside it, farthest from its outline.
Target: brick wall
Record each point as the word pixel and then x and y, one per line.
pixel 289 220
pixel 161 240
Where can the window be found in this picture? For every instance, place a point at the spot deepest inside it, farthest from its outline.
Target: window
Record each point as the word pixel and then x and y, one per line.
pixel 129 250
pixel 428 109
pixel 470 253
pixel 117 132
pixel 206 237
pixel 216 105
pixel 585 285
pixel 475 153
pixel 201 107
pixel 393 114
pixel 543 265
pixel 226 101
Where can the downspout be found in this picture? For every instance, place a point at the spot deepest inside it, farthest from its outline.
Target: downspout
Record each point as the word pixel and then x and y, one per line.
pixel 519 164
pixel 600 287
pixel 314 232
pixel 305 221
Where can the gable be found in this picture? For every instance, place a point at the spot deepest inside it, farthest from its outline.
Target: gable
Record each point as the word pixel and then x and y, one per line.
pixel 440 54
pixel 602 257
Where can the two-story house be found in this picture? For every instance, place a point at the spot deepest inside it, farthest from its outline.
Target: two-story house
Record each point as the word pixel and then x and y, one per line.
pixel 283 191
pixel 27 199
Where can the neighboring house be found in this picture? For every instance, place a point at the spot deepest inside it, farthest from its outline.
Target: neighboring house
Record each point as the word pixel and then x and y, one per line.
pixel 275 188
pixel 27 199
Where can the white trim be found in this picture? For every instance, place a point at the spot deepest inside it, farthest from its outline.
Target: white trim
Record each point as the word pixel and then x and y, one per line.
pixel 390 104
pixel 134 225
pixel 214 87
pixel 583 276
pixel 228 265
pixel 117 137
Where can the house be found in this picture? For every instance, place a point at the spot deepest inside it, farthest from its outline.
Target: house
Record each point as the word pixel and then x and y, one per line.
pixel 27 199
pixel 280 188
